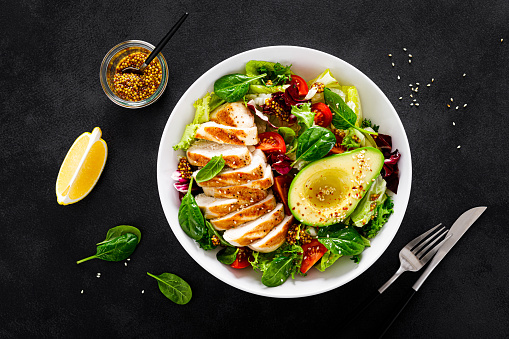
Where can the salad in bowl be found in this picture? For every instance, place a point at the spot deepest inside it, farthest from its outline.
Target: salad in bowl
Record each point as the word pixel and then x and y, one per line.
pixel 281 174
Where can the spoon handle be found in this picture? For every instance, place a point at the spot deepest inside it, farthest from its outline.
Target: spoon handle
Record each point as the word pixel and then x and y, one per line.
pixel 165 40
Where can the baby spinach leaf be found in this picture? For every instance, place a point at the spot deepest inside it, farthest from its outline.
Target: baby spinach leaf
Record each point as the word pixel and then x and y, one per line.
pixel 211 169
pixel 278 271
pixel 346 241
pixel 227 255
pixel 343 117
pixel 304 115
pixel 206 241
pixel 190 218
pixel 117 231
pixel 314 144
pixel 287 133
pixel 233 87
pixel 173 287
pixel 115 249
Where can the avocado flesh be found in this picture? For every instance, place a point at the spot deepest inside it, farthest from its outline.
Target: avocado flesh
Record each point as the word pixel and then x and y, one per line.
pixel 326 191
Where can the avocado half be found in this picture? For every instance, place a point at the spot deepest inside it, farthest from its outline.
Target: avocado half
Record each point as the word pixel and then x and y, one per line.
pixel 326 191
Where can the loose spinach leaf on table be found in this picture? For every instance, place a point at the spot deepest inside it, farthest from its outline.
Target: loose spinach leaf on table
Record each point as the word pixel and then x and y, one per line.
pixel 343 117
pixel 340 240
pixel 227 255
pixel 173 287
pixel 117 231
pixel 115 249
pixel 211 169
pixel 233 87
pixel 190 218
pixel 314 144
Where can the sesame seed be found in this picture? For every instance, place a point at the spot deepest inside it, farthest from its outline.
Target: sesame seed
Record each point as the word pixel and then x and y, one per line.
pixel 390 55
pixel 465 105
pixel 411 95
pixel 81 291
pixel 142 291
pixel 501 40
pixel 414 100
pixel 428 85
pixel 457 107
pixel 458 146
pixel 417 83
pixel 125 264
pixel 409 55
pixel 432 79
pixel 448 105
pixel 464 74
pixel 399 77
pixel 411 104
pixel 452 99
pixel 410 85
pixel 453 123
pixel 393 64
pixel 404 49
pixel 400 98
pixel 409 61
pixel 128 259
pixel 416 104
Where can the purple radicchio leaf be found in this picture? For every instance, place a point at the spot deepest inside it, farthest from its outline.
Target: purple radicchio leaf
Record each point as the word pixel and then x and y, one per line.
pixel 251 105
pixel 177 176
pixel 390 171
pixel 280 162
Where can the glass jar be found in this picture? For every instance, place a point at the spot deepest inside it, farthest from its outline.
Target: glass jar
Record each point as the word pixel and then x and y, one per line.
pixel 109 66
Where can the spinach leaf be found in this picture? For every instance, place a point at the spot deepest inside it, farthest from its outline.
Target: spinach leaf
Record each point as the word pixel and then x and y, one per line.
pixel 227 255
pixel 233 87
pixel 345 241
pixel 343 117
pixel 275 72
pixel 327 260
pixel 206 241
pixel 173 287
pixel 287 133
pixel 115 249
pixel 190 218
pixel 278 271
pixel 117 231
pixel 304 115
pixel 211 169
pixel 314 144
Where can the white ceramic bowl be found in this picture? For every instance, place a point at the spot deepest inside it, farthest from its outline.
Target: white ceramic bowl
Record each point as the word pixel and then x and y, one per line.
pixel 307 63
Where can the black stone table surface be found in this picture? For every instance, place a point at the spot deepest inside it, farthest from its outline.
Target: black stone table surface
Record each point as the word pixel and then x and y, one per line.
pixel 50 53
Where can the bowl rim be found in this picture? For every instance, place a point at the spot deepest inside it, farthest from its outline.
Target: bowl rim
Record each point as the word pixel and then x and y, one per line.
pixel 111 94
pixel 272 292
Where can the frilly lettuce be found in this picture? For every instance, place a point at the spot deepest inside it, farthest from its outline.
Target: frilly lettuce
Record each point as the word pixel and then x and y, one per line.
pixel 367 206
pixel 203 107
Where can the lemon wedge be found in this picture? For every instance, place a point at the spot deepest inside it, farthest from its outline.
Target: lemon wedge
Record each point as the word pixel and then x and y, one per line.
pixel 81 167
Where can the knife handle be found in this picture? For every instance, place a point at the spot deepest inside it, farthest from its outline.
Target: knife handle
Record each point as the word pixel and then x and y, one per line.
pixel 391 319
pixel 362 306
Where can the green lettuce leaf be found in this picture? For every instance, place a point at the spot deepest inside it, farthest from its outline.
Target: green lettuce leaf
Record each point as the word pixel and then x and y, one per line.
pixel 367 207
pixel 187 137
pixel 304 115
pixel 382 213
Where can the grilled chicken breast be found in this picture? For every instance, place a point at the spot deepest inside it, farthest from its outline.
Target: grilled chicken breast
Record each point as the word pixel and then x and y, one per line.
pixel 226 134
pixel 239 176
pixel 239 217
pixel 275 238
pixel 253 230
pixel 218 207
pixel 252 190
pixel 233 114
pixel 201 151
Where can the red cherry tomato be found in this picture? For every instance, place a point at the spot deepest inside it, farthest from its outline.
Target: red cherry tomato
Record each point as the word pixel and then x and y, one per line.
pixel 281 187
pixel 242 259
pixel 302 86
pixel 312 252
pixel 323 114
pixel 271 142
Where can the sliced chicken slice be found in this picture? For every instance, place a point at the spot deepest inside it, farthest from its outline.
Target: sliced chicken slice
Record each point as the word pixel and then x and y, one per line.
pixel 256 229
pixel 239 217
pixel 239 176
pixel 247 191
pixel 227 134
pixel 201 151
pixel 218 207
pixel 275 238
pixel 234 114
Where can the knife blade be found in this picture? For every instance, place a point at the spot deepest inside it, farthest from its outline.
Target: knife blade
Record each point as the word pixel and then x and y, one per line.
pixel 460 226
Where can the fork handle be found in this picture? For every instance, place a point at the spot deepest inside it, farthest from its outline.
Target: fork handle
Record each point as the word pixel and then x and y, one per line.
pixel 362 306
pixel 398 311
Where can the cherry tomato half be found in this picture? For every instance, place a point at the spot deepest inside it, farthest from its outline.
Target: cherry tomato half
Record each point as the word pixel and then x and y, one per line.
pixel 242 259
pixel 271 142
pixel 281 187
pixel 312 252
pixel 302 86
pixel 323 114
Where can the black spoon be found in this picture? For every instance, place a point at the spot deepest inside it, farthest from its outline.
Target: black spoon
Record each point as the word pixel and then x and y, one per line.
pixel 158 48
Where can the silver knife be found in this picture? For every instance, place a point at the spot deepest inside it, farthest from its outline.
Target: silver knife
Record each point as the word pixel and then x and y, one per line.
pixel 460 226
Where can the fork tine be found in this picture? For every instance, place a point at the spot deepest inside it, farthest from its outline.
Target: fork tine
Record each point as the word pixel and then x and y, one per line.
pixel 427 240
pixel 431 253
pixel 438 237
pixel 414 242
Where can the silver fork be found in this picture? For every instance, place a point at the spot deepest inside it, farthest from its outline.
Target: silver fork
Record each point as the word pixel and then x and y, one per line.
pixel 418 252
pixel 412 257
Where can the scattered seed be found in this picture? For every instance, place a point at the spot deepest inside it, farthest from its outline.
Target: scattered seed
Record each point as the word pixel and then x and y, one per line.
pixel 464 74
pixel 452 99
pixel 128 259
pixel 410 85
pixel 125 264
pixel 457 107
pixel 409 55
pixel 414 100
pixel 390 55
pixel 453 123
pixel 142 291
pixel 411 104
pixel 393 64
pixel 411 95
pixel 416 104
pixel 428 85
pixel 399 77
pixel 432 79
pixel 501 40
pixel 448 105
pixel 465 105
pixel 458 146
pixel 404 49
pixel 81 291
pixel 409 61
pixel 400 98
pixel 417 83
